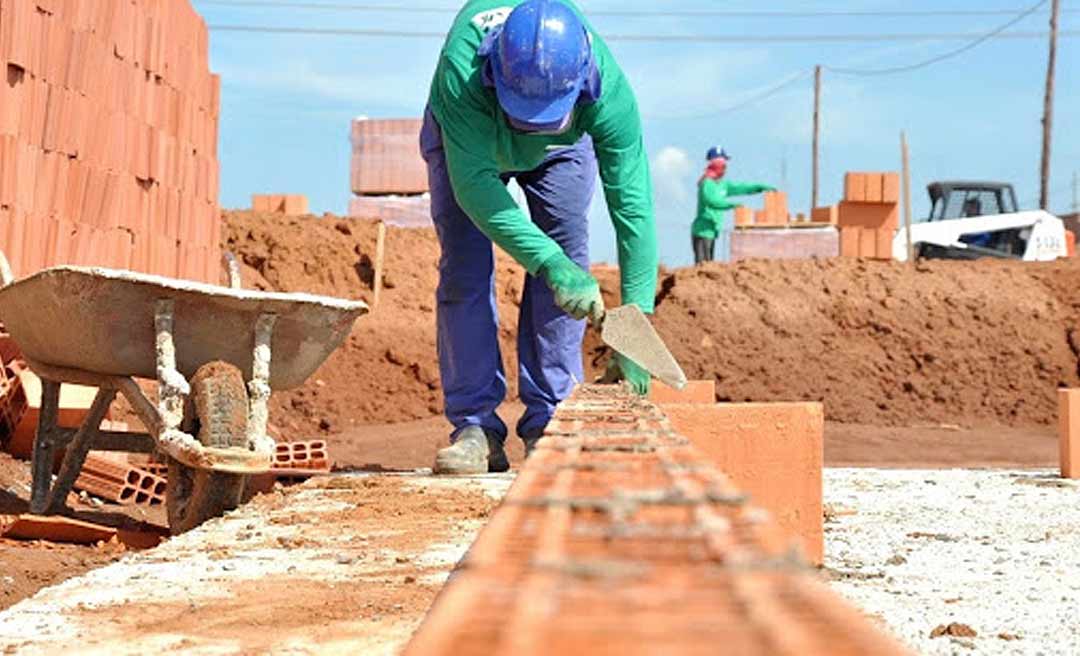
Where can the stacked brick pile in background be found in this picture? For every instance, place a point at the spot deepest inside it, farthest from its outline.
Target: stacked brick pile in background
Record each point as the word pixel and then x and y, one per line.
pixel 108 137
pixel 388 176
pixel 775 212
pixel 289 204
pixel 869 214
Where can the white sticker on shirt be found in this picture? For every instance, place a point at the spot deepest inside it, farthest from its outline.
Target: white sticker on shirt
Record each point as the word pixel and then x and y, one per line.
pixel 491 18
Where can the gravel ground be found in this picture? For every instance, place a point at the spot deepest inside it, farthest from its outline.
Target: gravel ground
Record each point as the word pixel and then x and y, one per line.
pixel 994 553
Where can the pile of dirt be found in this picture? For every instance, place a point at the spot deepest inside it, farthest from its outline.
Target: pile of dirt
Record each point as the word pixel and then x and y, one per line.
pixel 880 343
pixel 387 370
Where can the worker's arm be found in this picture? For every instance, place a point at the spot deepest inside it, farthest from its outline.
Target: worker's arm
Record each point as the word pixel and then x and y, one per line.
pixel 746 188
pixel 615 126
pixel 468 132
pixel 714 194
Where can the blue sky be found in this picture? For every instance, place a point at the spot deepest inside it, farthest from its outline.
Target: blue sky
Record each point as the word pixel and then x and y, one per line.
pixel 287 100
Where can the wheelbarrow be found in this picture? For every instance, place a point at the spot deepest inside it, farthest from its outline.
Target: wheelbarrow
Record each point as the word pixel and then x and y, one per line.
pixel 106 327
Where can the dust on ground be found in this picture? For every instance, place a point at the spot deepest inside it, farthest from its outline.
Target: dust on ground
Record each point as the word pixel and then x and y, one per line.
pixel 29 566
pixel 344 564
pixel 958 560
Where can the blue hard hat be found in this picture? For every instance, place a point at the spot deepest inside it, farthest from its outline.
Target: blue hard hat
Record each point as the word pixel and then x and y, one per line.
pixel 715 152
pixel 540 62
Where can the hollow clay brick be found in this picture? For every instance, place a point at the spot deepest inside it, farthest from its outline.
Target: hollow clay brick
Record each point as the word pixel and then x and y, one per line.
pixel 772 451
pixel 873 187
pixel 1069 432
pixel 890 187
pixel 696 391
pixel 869 215
pixel 867 242
pixel 854 186
pixel 829 214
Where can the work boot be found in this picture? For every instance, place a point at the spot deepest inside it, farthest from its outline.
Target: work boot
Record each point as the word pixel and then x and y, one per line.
pixel 474 452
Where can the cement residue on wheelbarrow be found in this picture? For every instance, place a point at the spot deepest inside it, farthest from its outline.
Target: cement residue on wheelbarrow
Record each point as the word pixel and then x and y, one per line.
pixel 344 564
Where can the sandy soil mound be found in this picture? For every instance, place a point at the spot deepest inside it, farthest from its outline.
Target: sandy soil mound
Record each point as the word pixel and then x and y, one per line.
pixel 879 342
pixel 387 370
pixel 948 342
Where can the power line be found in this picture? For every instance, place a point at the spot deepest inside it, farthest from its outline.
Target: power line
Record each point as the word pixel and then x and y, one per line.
pixel 659 38
pixel 754 99
pixel 947 55
pixel 709 13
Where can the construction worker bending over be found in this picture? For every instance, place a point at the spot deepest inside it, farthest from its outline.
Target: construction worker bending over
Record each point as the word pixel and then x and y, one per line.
pixel 526 90
pixel 713 193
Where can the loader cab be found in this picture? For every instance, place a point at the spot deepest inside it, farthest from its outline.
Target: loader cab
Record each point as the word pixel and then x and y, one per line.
pixel 956 200
pixel 965 199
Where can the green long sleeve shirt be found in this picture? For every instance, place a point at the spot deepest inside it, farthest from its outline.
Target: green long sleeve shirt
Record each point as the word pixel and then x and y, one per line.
pixel 714 202
pixel 480 145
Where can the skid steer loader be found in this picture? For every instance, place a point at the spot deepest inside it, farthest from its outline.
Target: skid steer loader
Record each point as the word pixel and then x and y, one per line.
pixel 971 220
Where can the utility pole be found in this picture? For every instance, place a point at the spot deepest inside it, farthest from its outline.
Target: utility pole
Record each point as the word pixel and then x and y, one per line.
pixel 905 164
pixel 1076 192
pixel 817 131
pixel 1048 109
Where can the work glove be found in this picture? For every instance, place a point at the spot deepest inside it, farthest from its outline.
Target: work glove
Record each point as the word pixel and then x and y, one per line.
pixel 576 290
pixel 621 368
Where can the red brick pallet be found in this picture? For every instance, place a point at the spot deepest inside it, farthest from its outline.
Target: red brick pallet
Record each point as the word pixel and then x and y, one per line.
pixel 618 537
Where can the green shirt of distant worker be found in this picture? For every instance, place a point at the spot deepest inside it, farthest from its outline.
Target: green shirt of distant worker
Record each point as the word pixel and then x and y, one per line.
pixel 714 200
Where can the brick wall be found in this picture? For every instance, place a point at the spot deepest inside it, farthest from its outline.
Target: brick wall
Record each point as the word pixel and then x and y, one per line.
pixel 108 137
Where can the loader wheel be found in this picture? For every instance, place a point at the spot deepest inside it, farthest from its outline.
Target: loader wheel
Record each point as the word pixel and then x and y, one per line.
pixel 217 416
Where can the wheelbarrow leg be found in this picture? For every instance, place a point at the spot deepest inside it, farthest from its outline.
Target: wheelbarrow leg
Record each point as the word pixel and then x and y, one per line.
pixel 44 444
pixel 259 387
pixel 172 387
pixel 80 444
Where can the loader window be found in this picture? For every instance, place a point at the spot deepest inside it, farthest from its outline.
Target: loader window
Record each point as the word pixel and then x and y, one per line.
pixel 966 203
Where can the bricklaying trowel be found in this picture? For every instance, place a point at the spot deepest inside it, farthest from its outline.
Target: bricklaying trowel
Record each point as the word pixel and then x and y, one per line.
pixel 627 330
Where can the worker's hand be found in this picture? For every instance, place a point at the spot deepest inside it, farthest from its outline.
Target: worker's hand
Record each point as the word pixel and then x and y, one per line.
pixel 622 368
pixel 576 290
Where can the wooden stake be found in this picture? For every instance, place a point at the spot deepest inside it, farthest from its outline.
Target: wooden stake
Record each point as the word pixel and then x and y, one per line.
pixel 907 198
pixel 817 131
pixel 380 246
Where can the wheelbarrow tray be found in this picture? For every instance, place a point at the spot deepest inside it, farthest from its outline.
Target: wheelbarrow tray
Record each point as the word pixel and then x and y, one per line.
pixel 102 321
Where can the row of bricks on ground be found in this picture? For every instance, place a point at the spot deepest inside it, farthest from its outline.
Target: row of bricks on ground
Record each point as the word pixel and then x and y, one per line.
pixel 72 41
pixel 602 527
pixel 31 243
pixel 51 184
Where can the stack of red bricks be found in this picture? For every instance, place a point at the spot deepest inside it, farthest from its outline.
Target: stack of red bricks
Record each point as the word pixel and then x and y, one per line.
pixel 388 176
pixel 869 214
pixel 108 137
pixel 619 537
pixel 774 212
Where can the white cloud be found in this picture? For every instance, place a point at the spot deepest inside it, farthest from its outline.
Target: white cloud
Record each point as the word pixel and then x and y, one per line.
pixel 672 173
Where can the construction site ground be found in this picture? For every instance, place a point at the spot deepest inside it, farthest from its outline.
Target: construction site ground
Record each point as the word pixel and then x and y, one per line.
pixel 939 389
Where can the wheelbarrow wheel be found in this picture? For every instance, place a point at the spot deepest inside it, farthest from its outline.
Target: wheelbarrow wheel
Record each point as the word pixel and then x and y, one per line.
pixel 217 416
